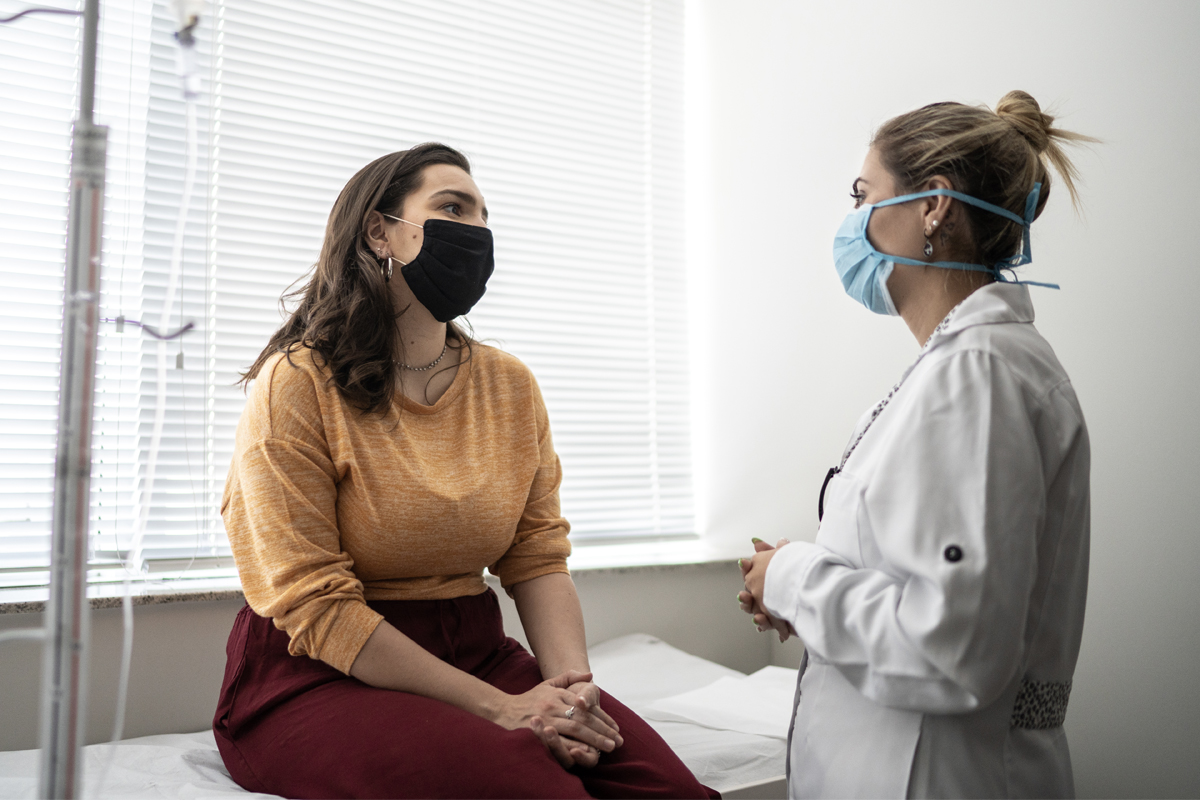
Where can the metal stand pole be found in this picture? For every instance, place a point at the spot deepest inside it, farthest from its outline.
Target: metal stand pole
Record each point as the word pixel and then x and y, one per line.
pixel 64 682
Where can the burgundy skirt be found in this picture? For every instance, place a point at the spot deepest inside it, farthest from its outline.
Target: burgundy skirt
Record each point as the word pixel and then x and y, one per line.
pixel 293 726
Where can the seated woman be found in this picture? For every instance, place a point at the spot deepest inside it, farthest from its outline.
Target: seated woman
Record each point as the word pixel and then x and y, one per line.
pixel 382 461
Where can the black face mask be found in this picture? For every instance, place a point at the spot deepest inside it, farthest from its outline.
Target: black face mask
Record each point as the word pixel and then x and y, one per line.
pixel 450 273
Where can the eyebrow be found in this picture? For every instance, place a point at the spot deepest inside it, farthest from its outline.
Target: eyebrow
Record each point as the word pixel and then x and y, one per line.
pixel 469 199
pixel 857 181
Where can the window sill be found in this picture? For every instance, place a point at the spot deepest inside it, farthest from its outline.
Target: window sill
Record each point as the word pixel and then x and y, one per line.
pixel 110 595
pixel 585 558
pixel 589 557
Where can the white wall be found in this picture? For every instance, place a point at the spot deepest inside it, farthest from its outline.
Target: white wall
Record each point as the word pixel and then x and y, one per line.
pixel 796 90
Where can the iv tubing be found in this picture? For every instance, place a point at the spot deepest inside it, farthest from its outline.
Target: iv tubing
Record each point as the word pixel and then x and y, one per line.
pixel 136 559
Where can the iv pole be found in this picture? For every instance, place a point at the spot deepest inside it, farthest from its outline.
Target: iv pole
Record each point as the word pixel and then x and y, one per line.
pixel 64 662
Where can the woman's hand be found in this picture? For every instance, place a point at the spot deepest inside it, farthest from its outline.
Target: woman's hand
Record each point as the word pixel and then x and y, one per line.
pixel 587 700
pixel 754 576
pixel 553 621
pixel 575 739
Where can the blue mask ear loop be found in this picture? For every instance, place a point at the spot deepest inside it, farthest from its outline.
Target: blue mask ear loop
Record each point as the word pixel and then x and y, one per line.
pixel 1016 261
pixel 1030 209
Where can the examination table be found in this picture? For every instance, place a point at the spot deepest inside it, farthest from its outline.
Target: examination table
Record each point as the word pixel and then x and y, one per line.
pixel 730 729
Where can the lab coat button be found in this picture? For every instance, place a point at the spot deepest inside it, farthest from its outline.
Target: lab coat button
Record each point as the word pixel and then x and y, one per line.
pixel 953 553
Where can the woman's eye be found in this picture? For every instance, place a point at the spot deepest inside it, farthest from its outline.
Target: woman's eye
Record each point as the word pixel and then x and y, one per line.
pixel 453 208
pixel 858 198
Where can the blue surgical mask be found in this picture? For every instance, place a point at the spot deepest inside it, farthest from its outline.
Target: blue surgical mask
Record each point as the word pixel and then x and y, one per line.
pixel 864 270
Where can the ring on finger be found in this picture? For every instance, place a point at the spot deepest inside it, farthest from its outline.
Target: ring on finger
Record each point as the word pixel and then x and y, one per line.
pixel 570 712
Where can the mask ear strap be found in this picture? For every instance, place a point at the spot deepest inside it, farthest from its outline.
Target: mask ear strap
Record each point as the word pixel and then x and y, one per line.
pixel 1026 256
pixel 1031 203
pixel 1030 209
pixel 400 219
pixel 998 269
pixel 966 198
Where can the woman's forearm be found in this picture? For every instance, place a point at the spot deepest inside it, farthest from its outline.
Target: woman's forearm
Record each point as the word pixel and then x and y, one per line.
pixel 391 660
pixel 553 622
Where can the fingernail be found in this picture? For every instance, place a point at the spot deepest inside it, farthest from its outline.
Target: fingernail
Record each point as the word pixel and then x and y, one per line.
pixel 740 560
pixel 609 744
pixel 755 539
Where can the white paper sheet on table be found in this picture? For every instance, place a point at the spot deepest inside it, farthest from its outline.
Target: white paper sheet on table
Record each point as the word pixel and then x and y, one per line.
pixel 639 669
pixel 760 703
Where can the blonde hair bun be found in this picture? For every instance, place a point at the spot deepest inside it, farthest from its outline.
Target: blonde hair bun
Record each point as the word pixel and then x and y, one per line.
pixel 1021 111
pixel 997 157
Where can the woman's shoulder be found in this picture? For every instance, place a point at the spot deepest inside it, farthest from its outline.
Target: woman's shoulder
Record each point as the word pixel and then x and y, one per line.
pixel 299 369
pixel 989 362
pixel 505 379
pixel 499 364
pixel 293 382
pixel 1000 323
pixel 1015 348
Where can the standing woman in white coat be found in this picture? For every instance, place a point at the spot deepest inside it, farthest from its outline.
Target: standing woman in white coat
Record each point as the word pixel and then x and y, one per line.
pixel 942 603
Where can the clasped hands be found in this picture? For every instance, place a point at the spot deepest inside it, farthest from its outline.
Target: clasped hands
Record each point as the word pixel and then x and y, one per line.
pixel 754 578
pixel 564 712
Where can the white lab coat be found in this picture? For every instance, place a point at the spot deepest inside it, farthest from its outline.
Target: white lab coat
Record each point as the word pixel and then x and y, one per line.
pixel 914 659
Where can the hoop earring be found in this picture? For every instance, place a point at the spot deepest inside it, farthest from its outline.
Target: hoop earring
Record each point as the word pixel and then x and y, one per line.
pixel 385 269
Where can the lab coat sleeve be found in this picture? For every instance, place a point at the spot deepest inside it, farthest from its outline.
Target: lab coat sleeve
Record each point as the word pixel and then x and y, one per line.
pixel 958 467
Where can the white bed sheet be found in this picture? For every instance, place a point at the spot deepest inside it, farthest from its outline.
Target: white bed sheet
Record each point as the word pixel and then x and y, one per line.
pixel 174 765
pixel 638 669
pixel 749 704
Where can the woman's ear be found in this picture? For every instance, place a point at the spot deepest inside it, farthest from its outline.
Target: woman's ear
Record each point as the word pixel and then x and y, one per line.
pixel 937 207
pixel 376 234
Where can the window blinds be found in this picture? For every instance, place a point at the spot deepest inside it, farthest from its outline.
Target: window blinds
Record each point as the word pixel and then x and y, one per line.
pixel 38 80
pixel 572 116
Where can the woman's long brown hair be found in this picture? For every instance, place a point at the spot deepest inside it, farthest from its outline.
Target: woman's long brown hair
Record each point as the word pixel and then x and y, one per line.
pixel 346 314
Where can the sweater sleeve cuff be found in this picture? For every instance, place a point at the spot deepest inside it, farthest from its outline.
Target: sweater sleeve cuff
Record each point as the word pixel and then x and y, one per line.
pixel 785 574
pixel 355 624
pixel 510 578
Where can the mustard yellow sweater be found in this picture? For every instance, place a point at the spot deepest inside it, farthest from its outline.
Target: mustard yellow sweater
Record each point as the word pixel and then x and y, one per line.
pixel 327 507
